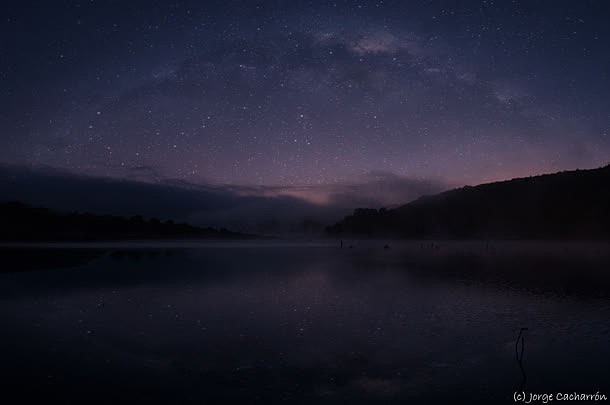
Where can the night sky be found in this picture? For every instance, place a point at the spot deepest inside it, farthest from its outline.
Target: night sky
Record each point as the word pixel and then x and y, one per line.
pixel 305 93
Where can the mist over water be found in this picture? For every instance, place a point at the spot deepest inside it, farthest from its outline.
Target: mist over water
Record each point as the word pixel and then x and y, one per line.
pixel 171 322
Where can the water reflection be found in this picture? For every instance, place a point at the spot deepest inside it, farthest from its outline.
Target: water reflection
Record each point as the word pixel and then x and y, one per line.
pixel 305 324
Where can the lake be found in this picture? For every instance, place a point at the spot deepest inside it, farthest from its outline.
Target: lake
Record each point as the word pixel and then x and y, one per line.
pixel 303 322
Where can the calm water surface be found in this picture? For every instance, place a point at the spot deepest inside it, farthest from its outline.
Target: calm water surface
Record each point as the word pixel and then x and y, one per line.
pixel 302 323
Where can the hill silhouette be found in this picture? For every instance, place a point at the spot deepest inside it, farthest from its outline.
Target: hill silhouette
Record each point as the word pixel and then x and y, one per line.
pixel 565 205
pixel 21 222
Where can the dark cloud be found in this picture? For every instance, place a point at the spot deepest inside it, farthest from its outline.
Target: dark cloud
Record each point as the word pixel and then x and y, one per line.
pixel 383 189
pixel 237 207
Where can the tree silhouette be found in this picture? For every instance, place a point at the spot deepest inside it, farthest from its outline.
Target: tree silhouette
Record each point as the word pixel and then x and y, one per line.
pixel 20 222
pixel 566 205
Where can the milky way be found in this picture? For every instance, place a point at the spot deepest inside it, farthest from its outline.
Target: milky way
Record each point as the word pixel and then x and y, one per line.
pixel 305 93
